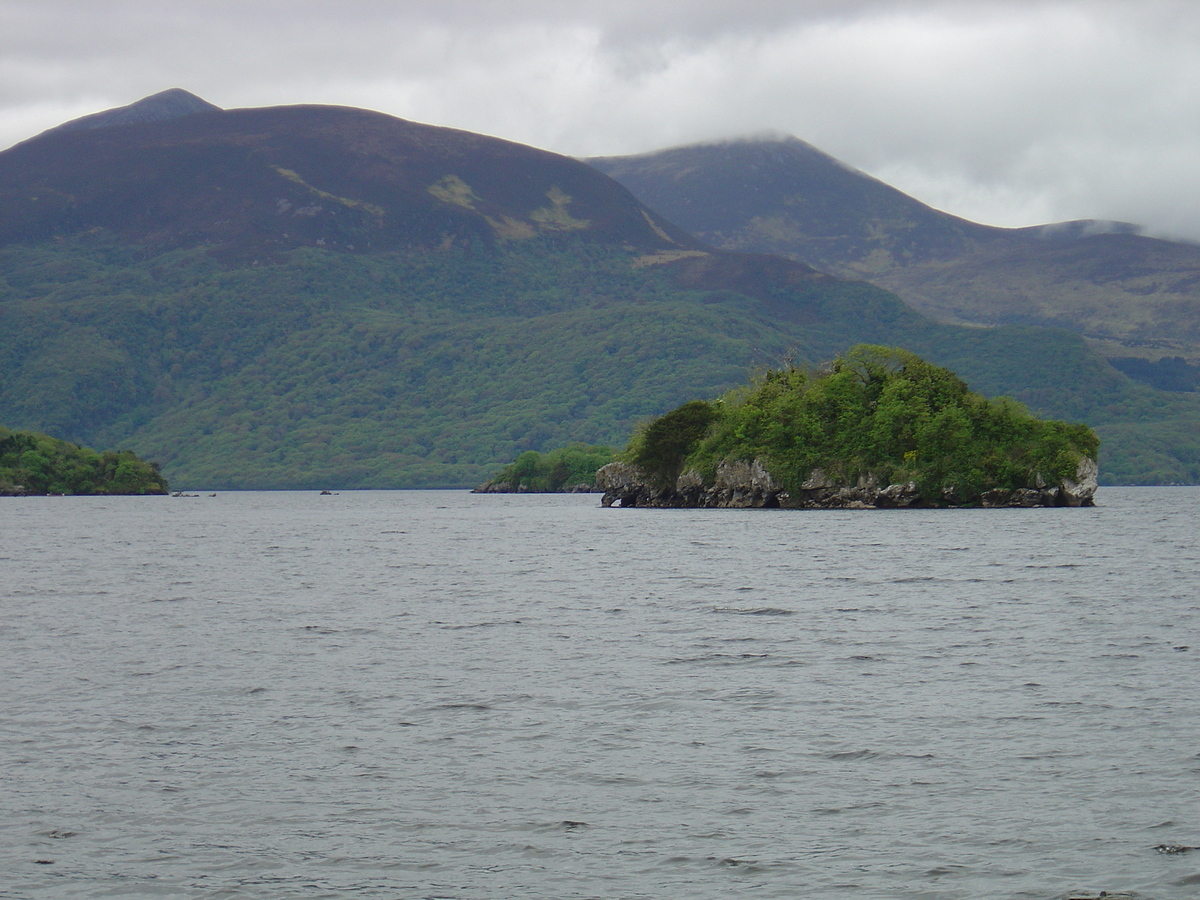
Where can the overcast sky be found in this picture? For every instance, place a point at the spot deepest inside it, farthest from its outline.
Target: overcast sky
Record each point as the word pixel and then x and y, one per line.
pixel 1012 112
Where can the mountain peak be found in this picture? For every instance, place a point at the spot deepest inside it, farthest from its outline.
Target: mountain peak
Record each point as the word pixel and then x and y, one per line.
pixel 257 182
pixel 780 194
pixel 173 103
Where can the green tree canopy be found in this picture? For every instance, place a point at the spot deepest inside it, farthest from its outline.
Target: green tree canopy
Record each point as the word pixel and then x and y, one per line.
pixel 34 463
pixel 875 412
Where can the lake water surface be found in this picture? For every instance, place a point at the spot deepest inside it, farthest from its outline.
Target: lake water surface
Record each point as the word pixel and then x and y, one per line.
pixel 442 695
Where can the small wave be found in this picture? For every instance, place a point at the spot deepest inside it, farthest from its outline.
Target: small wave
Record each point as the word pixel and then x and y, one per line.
pixel 1065 704
pixel 719 659
pixel 944 870
pixel 851 755
pixel 754 611
pixel 749 866
pixel 613 779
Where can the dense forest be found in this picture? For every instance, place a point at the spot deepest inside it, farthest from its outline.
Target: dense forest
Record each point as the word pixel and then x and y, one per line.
pixel 433 369
pixel 32 463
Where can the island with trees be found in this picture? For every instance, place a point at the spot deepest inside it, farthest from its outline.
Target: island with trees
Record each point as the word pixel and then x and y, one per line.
pixel 32 463
pixel 877 428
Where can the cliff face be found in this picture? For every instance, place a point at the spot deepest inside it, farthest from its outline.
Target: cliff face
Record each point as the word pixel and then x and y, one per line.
pixel 748 485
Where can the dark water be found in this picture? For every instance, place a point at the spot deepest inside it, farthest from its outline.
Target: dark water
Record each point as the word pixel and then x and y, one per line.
pixel 439 695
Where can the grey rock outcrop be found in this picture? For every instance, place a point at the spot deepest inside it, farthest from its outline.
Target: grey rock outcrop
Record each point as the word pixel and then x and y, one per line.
pixel 747 484
pixel 1081 490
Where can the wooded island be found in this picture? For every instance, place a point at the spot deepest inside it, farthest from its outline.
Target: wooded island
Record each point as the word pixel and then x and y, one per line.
pixel 878 427
pixel 33 463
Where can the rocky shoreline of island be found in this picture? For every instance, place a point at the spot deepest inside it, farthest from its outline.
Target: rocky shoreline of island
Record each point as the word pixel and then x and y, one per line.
pixel 749 485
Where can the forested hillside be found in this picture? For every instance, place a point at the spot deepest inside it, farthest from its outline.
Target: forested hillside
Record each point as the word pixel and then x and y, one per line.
pixel 418 369
pixel 320 297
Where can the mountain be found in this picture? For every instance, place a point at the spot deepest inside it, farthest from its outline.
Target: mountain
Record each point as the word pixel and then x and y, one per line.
pixel 173 103
pixel 310 296
pixel 254 183
pixel 1131 295
pixel 784 196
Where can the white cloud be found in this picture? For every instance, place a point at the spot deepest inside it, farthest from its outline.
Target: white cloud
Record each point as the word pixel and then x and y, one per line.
pixel 1009 112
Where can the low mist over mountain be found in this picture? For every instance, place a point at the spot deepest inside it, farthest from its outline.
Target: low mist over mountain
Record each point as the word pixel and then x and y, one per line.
pixel 318 296
pixel 1132 295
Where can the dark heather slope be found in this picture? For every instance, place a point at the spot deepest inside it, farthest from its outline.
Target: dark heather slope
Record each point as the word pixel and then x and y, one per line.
pixel 254 182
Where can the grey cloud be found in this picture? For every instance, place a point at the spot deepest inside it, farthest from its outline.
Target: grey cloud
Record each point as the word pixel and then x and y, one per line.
pixel 1011 112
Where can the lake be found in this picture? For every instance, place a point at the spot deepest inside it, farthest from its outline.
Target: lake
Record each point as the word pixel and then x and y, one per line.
pixel 446 695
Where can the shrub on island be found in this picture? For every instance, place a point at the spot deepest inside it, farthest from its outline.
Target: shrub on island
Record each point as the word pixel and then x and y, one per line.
pixel 34 463
pixel 570 469
pixel 878 427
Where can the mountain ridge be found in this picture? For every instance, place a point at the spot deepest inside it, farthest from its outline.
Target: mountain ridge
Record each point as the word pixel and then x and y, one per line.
pixel 316 296
pixel 1131 294
pixel 266 180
